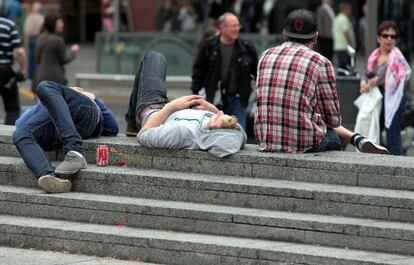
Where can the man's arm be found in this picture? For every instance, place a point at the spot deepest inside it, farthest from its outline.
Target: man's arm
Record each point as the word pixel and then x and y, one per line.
pixel 160 117
pixel 21 59
pixel 348 38
pixel 327 97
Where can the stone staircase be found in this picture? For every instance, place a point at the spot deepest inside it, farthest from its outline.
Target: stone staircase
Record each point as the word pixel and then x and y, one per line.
pixel 188 207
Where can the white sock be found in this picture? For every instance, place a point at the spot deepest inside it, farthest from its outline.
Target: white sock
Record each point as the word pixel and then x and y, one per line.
pixel 76 153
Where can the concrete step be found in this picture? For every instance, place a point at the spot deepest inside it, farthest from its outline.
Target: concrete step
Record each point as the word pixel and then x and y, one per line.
pixel 344 168
pixel 260 193
pixel 356 233
pixel 174 247
pixel 18 256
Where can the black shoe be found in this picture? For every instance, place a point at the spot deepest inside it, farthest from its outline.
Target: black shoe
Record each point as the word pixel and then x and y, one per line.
pixel 131 130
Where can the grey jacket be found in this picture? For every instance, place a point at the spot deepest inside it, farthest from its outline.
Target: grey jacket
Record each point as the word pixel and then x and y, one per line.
pixel 51 56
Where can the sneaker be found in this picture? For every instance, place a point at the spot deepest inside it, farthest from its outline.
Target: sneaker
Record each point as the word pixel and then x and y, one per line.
pixel 365 145
pixel 131 130
pixel 71 164
pixel 52 184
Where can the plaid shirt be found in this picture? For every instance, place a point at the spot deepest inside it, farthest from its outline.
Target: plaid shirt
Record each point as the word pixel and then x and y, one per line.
pixel 296 99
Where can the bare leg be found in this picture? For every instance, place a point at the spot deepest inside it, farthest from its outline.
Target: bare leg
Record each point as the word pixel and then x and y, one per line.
pixel 344 133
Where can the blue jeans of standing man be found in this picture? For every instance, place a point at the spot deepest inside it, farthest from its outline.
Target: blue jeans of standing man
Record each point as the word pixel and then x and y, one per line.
pixel 68 117
pixel 233 106
pixel 149 86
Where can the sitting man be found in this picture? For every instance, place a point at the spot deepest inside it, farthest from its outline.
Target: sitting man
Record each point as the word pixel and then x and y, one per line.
pixel 63 116
pixel 188 122
pixel 297 103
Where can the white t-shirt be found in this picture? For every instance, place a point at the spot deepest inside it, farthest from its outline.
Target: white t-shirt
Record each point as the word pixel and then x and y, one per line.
pixel 184 130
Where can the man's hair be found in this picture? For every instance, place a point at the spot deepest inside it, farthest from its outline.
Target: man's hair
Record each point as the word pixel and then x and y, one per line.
pixel 222 19
pixel 230 123
pixel 344 4
pixel 388 24
pixel 301 41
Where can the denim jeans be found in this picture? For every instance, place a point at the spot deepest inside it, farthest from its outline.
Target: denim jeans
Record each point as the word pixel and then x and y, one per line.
pixel 394 140
pixel 149 86
pixel 233 106
pixel 67 118
pixel 330 142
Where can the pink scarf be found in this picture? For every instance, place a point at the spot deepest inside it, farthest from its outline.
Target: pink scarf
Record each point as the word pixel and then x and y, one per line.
pixel 398 72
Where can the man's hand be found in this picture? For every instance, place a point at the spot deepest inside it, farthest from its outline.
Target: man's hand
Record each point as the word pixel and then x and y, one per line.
pixel 83 92
pixel 202 104
pixel 183 103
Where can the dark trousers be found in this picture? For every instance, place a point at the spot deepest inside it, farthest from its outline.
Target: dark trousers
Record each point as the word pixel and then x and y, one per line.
pixel 149 86
pixel 325 47
pixel 343 60
pixel 394 140
pixel 10 94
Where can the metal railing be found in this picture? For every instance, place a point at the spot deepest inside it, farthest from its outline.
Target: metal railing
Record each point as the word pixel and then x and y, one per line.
pixel 120 53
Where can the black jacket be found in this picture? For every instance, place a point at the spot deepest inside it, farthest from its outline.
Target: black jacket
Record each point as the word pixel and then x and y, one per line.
pixel 207 68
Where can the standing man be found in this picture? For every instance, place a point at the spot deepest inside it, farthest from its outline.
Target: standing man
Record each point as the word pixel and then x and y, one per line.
pixel 344 35
pixel 10 44
pixel 225 66
pixel 326 16
pixel 297 103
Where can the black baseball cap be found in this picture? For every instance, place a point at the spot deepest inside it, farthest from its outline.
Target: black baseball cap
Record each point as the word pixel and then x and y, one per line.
pixel 301 24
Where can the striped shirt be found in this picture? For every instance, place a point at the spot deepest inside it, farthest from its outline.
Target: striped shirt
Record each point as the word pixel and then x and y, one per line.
pixel 9 40
pixel 296 99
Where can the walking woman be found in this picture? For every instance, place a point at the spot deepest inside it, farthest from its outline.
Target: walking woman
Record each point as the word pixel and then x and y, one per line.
pixel 390 71
pixel 52 53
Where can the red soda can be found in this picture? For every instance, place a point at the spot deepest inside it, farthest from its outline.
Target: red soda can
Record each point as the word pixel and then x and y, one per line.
pixel 102 156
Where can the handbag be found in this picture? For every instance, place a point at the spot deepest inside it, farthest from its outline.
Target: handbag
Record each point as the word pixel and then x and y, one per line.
pixel 367 121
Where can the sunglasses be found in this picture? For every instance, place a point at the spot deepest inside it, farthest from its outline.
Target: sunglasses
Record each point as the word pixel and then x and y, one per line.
pixel 388 36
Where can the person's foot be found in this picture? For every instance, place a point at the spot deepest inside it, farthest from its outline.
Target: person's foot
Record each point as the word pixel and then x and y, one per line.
pixel 131 130
pixel 52 184
pixel 72 163
pixel 365 145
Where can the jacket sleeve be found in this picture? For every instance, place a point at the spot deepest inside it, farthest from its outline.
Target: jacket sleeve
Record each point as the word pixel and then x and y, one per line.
pixel 64 54
pixel 255 60
pixel 199 69
pixel 110 126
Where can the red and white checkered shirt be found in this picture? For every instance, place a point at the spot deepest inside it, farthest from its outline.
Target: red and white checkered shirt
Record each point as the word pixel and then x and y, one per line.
pixel 296 99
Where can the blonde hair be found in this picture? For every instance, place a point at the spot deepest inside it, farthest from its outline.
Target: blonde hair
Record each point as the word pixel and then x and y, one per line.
pixel 229 122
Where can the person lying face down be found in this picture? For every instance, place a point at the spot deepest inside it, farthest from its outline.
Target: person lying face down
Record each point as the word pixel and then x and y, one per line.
pixel 189 122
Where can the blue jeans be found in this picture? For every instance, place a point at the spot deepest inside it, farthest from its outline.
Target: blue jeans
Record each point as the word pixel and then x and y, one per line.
pixel 149 86
pixel 330 142
pixel 67 118
pixel 394 140
pixel 233 106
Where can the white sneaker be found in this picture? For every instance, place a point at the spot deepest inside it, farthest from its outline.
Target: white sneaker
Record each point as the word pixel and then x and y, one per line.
pixel 365 145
